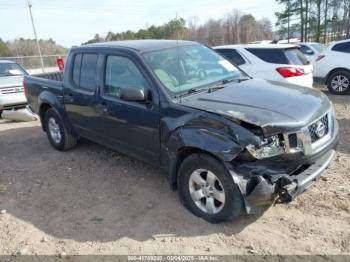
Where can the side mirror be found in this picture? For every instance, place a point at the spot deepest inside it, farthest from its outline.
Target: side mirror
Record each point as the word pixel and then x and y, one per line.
pixel 309 52
pixel 132 94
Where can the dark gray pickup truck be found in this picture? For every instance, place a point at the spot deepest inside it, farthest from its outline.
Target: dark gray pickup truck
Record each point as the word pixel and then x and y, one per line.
pixel 230 144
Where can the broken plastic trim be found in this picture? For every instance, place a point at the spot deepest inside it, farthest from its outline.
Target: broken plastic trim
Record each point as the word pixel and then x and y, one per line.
pixel 259 191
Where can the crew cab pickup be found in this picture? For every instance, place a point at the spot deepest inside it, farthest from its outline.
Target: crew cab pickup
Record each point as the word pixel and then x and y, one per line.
pixel 229 143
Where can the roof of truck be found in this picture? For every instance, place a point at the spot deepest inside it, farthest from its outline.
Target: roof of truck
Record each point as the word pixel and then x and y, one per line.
pixel 143 45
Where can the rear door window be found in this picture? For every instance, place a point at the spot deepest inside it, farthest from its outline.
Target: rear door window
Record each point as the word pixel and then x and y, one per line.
pixel 232 55
pixel 76 69
pixel 342 47
pixel 88 71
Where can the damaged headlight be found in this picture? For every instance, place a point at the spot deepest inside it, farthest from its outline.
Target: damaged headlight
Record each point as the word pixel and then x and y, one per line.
pixel 269 147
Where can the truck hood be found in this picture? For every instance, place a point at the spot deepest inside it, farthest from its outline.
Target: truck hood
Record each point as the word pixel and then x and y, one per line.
pixel 10 81
pixel 274 106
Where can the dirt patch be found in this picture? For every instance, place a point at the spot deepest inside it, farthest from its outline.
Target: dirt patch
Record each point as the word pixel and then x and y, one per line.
pixel 92 200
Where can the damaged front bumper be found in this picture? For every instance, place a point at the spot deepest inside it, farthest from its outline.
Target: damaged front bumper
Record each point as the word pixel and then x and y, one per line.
pixel 260 191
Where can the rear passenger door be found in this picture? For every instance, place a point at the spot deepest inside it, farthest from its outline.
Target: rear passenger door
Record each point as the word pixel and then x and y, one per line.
pixel 80 95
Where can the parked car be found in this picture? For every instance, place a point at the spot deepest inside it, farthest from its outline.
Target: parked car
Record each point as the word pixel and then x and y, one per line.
pixel 11 88
pixel 283 63
pixel 230 144
pixel 332 67
pixel 311 50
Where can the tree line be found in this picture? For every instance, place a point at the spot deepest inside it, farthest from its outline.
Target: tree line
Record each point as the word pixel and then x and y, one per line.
pixel 27 47
pixel 314 20
pixel 308 20
pixel 234 27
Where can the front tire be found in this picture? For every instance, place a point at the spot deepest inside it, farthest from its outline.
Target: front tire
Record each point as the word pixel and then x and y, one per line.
pixel 207 189
pixel 339 82
pixel 60 138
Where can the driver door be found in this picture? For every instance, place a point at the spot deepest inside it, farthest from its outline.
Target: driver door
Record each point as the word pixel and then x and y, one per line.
pixel 130 127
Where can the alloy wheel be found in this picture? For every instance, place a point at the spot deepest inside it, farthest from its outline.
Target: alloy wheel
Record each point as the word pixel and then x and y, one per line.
pixel 206 191
pixel 340 83
pixel 55 131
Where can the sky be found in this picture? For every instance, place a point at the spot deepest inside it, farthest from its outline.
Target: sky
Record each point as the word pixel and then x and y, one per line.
pixel 72 22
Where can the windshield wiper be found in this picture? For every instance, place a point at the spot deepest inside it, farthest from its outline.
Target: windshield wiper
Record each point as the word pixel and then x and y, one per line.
pixel 190 91
pixel 223 83
pixel 220 85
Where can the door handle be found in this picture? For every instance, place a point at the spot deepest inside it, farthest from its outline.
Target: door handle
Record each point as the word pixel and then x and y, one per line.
pixel 70 97
pixel 103 107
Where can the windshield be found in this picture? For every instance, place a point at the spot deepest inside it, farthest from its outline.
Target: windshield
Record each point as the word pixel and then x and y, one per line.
pixel 11 69
pixel 319 48
pixel 190 67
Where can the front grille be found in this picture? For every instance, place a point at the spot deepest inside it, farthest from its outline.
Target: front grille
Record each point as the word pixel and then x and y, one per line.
pixel 11 90
pixel 293 140
pixel 313 129
pixel 11 107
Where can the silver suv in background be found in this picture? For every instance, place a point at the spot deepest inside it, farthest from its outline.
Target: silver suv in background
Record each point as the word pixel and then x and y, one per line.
pixel 11 88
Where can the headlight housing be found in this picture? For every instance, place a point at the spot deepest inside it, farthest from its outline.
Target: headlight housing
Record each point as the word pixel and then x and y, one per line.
pixel 271 146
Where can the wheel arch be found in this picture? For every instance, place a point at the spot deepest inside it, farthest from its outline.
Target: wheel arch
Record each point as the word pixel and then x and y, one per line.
pixel 48 100
pixel 186 142
pixel 44 107
pixel 335 70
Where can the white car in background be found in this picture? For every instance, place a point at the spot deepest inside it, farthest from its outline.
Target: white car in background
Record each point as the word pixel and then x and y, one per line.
pixel 284 63
pixel 311 50
pixel 11 88
pixel 332 67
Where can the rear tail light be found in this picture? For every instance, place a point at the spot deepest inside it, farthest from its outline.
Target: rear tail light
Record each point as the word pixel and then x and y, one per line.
pixel 320 57
pixel 24 87
pixel 290 71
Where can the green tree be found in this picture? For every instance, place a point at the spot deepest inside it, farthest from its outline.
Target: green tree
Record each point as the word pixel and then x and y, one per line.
pixel 4 49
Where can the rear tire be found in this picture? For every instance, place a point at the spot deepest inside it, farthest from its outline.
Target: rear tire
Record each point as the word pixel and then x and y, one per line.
pixel 219 202
pixel 339 82
pixel 60 138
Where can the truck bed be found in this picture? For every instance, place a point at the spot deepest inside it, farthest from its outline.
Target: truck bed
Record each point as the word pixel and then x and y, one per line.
pixel 57 76
pixel 36 87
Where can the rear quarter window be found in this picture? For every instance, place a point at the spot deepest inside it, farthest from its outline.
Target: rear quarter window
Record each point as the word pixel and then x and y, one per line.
pixel 288 56
pixel 342 47
pixel 273 56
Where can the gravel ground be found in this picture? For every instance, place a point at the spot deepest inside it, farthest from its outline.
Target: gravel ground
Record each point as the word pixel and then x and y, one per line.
pixel 92 200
